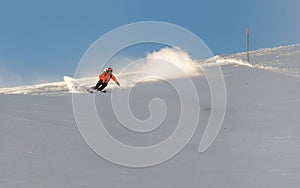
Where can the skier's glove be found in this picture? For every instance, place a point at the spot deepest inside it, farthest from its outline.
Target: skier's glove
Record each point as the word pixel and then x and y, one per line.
pixel 118 83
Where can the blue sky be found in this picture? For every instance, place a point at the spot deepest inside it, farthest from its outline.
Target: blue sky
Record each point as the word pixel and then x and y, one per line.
pixel 43 40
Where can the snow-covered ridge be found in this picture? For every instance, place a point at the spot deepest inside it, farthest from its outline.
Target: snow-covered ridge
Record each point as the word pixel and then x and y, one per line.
pixel 50 89
pixel 283 60
pixel 276 51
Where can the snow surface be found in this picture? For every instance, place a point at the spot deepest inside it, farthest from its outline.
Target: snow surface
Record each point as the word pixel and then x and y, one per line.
pixel 258 146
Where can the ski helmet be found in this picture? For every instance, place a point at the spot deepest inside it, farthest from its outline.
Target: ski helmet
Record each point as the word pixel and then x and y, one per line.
pixel 110 70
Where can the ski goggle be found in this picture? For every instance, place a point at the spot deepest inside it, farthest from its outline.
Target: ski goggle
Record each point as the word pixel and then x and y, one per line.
pixel 109 72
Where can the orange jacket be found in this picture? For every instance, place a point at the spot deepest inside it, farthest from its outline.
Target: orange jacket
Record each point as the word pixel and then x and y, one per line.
pixel 105 77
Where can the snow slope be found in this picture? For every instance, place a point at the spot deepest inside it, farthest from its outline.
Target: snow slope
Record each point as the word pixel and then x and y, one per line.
pixel 282 60
pixel 258 146
pixel 49 89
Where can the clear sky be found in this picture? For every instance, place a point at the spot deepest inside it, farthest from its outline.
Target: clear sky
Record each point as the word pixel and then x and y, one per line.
pixel 44 40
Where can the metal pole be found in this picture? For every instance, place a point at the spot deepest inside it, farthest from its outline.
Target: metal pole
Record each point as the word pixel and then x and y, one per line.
pixel 247 43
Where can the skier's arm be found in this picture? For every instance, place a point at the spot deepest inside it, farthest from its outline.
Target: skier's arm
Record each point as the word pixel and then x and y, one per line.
pixel 115 79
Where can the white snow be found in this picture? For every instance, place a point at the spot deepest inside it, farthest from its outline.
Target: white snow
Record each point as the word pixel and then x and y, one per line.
pixel 57 88
pixel 258 145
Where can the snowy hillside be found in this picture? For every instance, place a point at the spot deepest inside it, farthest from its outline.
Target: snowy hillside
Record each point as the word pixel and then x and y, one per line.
pixel 283 60
pixel 57 88
pixel 257 146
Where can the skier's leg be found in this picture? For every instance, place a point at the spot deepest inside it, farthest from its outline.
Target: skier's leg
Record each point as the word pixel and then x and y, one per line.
pixel 98 84
pixel 102 86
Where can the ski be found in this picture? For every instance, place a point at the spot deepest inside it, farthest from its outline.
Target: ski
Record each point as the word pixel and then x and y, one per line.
pixel 90 90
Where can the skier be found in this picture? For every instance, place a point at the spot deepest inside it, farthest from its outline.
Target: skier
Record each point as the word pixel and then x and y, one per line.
pixel 104 78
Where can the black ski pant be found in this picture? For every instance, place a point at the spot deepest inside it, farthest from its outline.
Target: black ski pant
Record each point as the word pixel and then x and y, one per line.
pixel 100 85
